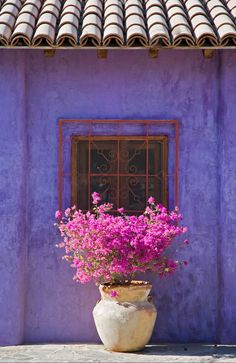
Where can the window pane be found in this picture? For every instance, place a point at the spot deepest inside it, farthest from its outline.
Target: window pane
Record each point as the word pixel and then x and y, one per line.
pixel 133 157
pixel 82 199
pixel 156 188
pixel 155 156
pixel 106 186
pixel 104 157
pixel 133 192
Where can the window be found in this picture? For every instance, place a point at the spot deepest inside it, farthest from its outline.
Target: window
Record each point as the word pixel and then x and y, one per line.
pixel 125 160
pixel 125 170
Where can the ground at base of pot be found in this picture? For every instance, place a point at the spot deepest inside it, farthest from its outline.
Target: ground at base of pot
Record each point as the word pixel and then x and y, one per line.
pixel 95 353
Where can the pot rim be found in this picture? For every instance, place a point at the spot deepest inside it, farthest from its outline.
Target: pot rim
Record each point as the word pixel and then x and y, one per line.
pixel 132 283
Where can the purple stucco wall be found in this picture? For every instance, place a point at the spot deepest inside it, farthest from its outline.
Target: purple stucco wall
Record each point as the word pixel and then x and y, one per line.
pixel 39 301
pixel 13 154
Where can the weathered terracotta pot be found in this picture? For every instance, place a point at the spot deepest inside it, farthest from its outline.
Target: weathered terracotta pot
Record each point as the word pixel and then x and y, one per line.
pixel 125 322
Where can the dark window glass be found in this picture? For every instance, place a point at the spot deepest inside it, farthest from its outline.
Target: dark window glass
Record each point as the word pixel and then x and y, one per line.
pixel 125 171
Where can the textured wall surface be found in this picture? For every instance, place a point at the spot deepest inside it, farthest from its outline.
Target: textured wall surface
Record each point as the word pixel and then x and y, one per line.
pixel 13 173
pixel 43 303
pixel 227 238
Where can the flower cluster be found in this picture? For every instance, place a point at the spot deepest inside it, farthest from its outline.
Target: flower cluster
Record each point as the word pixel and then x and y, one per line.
pixel 109 247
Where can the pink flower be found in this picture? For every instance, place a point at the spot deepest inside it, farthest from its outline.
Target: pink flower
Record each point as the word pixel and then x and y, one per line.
pixel 106 207
pixel 58 214
pixel 151 200
pixel 121 210
pixel 67 212
pixel 96 198
pixel 113 293
pixel 60 245
pixel 102 246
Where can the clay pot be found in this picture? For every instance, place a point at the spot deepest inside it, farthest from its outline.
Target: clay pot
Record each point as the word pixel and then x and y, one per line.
pixel 124 317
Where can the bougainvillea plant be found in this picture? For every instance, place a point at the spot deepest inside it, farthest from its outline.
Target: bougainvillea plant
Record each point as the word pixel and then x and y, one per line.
pixel 108 247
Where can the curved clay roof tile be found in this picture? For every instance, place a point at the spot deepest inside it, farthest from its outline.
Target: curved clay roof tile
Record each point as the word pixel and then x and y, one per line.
pixel 148 23
pixel 45 32
pixel 113 34
pixel 67 33
pixel 22 34
pixel 113 9
pixel 5 33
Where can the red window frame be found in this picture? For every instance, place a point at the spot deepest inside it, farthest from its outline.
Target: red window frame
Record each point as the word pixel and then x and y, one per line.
pixel 89 124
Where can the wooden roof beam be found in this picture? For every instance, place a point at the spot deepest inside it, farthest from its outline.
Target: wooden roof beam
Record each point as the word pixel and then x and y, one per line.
pixel 208 53
pixel 49 53
pixel 153 53
pixel 102 53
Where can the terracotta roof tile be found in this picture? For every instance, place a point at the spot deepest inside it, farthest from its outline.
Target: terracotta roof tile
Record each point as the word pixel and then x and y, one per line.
pixel 201 24
pixel 113 30
pixel 92 23
pixel 118 23
pixel 68 28
pixel 157 25
pixel 47 22
pixel 231 4
pixel 223 21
